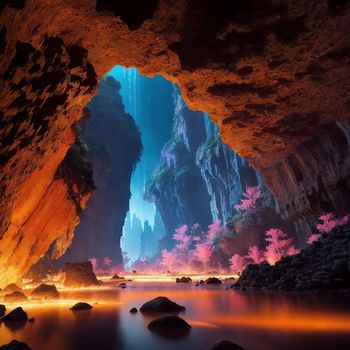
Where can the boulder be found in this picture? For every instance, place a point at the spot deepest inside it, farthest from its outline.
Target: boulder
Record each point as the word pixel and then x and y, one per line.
pixel 183 280
pixel 15 297
pixel 117 277
pixel 16 315
pixel 12 288
pixel 226 345
pixel 133 310
pixel 2 310
pixel 81 306
pixel 45 291
pixel 213 280
pixel 122 285
pixel 15 345
pixel 79 275
pixel 161 305
pixel 169 326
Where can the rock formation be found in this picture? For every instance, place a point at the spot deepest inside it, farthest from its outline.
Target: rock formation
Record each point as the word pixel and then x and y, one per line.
pixel 113 147
pixel 273 75
pixel 177 187
pixel 79 275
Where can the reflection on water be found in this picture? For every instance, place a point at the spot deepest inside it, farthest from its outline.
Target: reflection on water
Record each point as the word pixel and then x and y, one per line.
pixel 256 320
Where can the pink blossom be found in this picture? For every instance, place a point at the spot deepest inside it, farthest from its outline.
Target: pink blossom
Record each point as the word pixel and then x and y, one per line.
pixel 237 263
pixel 313 238
pixel 195 226
pixel 215 230
pixel 255 254
pixel 203 253
pixel 106 261
pixel 94 263
pixel 250 200
pixel 278 245
pixel 169 259
pixel 330 222
pixel 292 250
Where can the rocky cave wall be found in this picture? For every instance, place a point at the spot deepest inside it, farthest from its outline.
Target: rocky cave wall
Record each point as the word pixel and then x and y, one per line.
pixel 272 74
pixel 114 147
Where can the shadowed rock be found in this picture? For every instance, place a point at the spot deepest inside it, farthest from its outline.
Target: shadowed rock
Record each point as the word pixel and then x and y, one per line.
pixel 161 305
pixel 12 288
pixel 122 285
pixel 16 315
pixel 184 280
pixel 15 296
pixel 2 310
pixel 226 345
pixel 133 310
pixel 213 280
pixel 45 291
pixel 169 326
pixel 81 306
pixel 15 345
pixel 79 275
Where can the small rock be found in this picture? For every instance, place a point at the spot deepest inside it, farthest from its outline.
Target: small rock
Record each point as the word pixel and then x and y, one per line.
pixel 183 280
pixel 133 310
pixel 197 284
pixel 226 345
pixel 213 280
pixel 169 326
pixel 117 277
pixel 81 306
pixel 15 297
pixel 46 291
pixel 201 282
pixel 2 310
pixel 15 345
pixel 161 305
pixel 122 285
pixel 31 320
pixel 16 315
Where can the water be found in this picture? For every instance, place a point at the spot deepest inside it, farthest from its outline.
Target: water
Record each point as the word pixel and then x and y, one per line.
pixel 256 320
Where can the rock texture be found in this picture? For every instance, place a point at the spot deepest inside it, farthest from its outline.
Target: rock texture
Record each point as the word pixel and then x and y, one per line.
pixel 161 305
pixel 273 75
pixel 113 146
pixel 45 291
pixel 15 297
pixel 226 345
pixel 16 315
pixel 325 265
pixel 177 178
pixel 15 345
pixel 169 326
pixel 79 275
pixel 80 306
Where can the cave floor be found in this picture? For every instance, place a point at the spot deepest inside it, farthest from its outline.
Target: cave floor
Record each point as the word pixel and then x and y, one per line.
pixel 254 320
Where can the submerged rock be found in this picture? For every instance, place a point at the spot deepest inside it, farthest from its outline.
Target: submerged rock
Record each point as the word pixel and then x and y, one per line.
pixel 169 326
pixel 14 297
pixel 226 345
pixel 133 310
pixel 184 280
pixel 12 288
pixel 122 285
pixel 213 280
pixel 46 291
pixel 161 305
pixel 79 275
pixel 2 310
pixel 81 306
pixel 16 315
pixel 15 345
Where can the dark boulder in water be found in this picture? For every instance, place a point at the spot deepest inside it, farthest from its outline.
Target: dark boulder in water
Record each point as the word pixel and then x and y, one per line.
pixel 16 315
pixel 45 291
pixel 226 345
pixel 213 280
pixel 81 306
pixel 133 310
pixel 15 345
pixel 169 326
pixel 2 310
pixel 161 305
pixel 184 280
pixel 15 297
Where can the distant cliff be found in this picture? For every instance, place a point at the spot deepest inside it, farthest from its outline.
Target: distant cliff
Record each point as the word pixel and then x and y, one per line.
pixel 114 147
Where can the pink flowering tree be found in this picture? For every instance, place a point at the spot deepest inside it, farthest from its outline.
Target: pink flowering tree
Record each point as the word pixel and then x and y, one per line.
pixel 216 231
pixel 250 200
pixel 237 263
pixel 106 261
pixel 203 253
pixel 314 237
pixel 169 259
pixel 94 263
pixel 330 222
pixel 255 254
pixel 278 245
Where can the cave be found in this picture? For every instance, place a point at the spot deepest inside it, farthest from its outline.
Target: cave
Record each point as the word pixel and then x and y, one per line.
pixel 174 173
